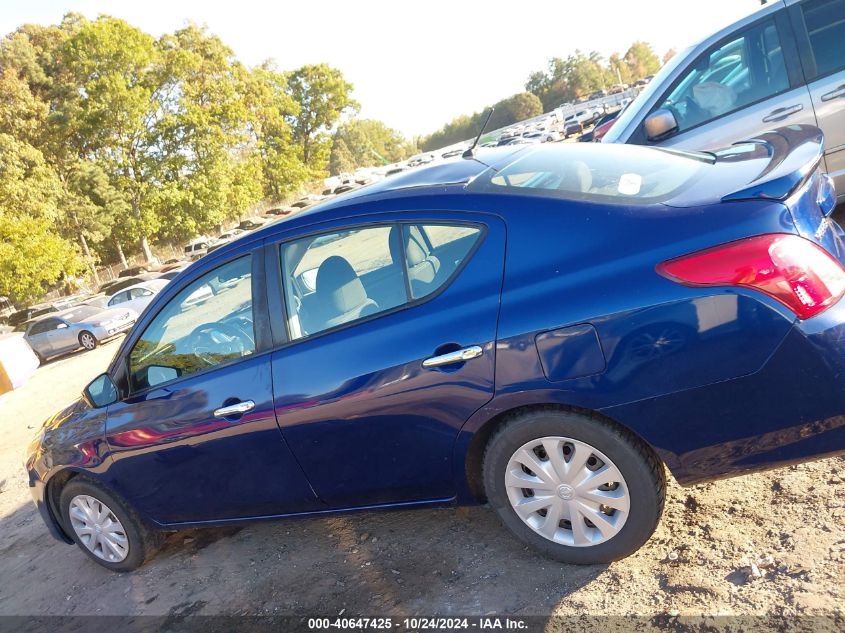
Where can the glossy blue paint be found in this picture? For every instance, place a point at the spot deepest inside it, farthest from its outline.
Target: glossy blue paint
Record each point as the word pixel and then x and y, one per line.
pixel 563 297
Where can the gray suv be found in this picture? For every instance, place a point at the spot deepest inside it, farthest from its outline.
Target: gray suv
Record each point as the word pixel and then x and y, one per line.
pixel 784 64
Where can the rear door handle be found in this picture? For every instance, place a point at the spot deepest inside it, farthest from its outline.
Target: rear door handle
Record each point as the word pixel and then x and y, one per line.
pixel 779 114
pixel 239 408
pixel 458 356
pixel 835 94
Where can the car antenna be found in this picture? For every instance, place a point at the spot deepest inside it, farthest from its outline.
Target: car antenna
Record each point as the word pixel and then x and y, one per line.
pixel 469 152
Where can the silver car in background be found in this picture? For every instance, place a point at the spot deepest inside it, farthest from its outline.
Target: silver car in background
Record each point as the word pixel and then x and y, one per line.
pixel 782 65
pixel 82 326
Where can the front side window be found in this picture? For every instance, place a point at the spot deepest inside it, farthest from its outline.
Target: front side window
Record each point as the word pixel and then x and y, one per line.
pixel 735 74
pixel 208 323
pixel 825 20
pixel 341 277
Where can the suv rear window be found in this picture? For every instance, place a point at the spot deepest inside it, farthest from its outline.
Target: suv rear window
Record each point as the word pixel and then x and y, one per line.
pixel 615 174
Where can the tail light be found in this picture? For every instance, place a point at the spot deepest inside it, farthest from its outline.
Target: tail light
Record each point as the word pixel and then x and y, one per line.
pixel 796 272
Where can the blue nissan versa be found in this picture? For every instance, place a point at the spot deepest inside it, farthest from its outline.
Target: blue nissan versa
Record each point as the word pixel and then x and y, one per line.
pixel 542 327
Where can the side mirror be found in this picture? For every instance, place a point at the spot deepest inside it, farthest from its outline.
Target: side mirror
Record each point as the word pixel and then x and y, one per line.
pixel 101 392
pixel 61 326
pixel 660 124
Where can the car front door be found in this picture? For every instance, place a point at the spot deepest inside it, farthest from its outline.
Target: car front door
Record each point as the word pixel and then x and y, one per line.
pixel 821 28
pixel 746 84
pixel 390 348
pixel 194 437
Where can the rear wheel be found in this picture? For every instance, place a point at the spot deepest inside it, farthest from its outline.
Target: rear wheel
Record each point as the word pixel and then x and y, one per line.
pixel 87 340
pixel 574 487
pixel 104 527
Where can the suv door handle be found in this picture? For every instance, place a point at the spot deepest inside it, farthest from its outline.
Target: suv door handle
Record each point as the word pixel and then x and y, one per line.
pixel 239 408
pixel 779 114
pixel 458 356
pixel 835 94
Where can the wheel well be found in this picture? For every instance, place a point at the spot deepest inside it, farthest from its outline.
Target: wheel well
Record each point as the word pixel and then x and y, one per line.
pixel 55 485
pixel 475 453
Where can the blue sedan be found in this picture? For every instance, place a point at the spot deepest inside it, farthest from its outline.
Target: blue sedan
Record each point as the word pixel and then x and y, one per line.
pixel 544 328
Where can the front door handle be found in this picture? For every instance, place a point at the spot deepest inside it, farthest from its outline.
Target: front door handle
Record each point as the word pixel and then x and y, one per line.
pixel 778 114
pixel 458 356
pixel 839 92
pixel 239 408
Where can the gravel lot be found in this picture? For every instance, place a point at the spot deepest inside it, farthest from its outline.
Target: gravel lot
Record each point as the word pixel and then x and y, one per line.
pixel 787 523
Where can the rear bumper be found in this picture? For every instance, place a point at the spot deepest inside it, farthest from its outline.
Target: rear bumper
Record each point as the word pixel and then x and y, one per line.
pixel 791 410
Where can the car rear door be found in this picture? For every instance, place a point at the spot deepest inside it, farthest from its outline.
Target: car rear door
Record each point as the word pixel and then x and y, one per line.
pixel 820 25
pixel 371 406
pixel 39 336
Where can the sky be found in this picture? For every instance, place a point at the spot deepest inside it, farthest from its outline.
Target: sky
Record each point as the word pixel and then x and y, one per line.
pixel 414 65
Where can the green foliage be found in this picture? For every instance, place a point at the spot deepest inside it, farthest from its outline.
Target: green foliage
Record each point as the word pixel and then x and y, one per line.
pixel 365 142
pixel 32 254
pixel 518 107
pixel 322 95
pixel 566 80
pixel 32 257
pixel 111 139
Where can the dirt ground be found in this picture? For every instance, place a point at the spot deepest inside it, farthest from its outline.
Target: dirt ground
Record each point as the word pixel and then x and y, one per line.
pixel 769 544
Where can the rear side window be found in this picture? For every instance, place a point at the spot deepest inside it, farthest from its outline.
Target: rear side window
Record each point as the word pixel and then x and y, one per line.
pixel 825 20
pixel 47 325
pixel 336 278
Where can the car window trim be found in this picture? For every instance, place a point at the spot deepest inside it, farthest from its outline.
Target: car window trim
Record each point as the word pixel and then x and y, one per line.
pixel 122 373
pixel 707 51
pixel 808 55
pixel 483 231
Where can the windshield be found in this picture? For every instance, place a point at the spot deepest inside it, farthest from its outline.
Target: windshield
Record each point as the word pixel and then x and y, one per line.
pixel 618 174
pixel 80 314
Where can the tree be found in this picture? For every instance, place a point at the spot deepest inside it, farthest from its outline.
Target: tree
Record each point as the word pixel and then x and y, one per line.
pixel 669 55
pixel 271 109
pixel 518 107
pixel 323 95
pixel 641 60
pixel 113 114
pixel 365 142
pixel 32 254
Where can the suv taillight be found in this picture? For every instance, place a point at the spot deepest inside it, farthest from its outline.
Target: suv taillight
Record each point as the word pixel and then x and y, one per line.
pixel 793 270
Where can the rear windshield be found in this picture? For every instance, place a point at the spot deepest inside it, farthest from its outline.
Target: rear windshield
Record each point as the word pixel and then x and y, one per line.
pixel 616 174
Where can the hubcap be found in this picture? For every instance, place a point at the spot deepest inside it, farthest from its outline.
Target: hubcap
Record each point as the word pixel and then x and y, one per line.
pixel 87 341
pixel 567 491
pixel 98 528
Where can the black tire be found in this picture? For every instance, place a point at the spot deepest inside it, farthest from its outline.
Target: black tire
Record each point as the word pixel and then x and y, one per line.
pixel 641 469
pixel 142 542
pixel 90 346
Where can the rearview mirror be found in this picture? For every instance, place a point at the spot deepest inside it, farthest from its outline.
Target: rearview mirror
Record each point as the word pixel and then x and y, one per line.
pixel 100 392
pixel 660 124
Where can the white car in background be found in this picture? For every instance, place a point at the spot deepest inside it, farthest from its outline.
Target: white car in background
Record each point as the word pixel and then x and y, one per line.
pixel 137 297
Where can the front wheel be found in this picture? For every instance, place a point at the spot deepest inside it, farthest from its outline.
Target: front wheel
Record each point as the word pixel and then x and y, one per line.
pixel 574 487
pixel 104 527
pixel 87 340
